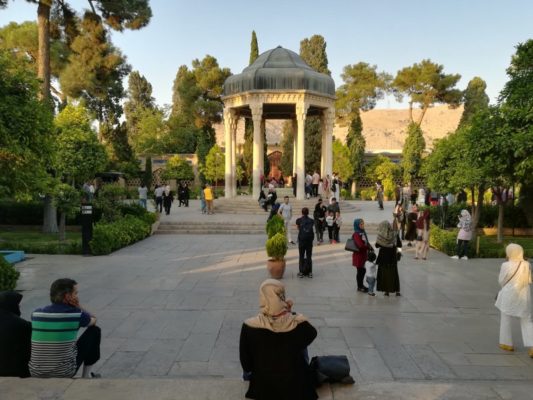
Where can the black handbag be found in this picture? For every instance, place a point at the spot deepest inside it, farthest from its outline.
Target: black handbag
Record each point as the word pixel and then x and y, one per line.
pixel 351 246
pixel 331 369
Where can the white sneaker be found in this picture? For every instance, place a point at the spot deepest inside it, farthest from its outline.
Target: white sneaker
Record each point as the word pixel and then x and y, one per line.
pixel 455 257
pixel 464 258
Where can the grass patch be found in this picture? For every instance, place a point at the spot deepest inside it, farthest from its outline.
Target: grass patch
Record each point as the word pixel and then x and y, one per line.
pixel 35 242
pixel 489 248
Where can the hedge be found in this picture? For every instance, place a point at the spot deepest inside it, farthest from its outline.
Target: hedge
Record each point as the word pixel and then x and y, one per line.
pixel 74 247
pixel 108 237
pixel 8 275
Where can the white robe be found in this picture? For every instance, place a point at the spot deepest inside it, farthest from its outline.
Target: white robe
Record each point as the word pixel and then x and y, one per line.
pixel 515 297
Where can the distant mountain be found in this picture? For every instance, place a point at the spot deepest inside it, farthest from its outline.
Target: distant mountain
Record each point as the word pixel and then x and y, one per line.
pixel 384 129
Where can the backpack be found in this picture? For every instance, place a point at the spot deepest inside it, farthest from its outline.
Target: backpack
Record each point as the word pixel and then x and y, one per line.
pixel 306 228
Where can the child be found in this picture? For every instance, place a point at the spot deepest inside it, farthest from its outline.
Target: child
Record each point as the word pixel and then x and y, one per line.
pixel 330 222
pixel 371 274
pixel 337 226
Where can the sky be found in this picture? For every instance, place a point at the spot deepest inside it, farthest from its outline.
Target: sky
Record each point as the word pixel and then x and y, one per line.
pixel 469 37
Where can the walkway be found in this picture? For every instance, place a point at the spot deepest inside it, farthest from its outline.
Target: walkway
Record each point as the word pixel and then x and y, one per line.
pixel 172 307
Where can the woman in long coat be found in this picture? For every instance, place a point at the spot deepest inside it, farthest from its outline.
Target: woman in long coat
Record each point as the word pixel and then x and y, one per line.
pixel 410 234
pixel 273 348
pixel 387 261
pixel 514 298
pixel 359 257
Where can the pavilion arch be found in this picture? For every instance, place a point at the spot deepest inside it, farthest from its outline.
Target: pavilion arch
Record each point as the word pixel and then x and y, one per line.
pixel 278 85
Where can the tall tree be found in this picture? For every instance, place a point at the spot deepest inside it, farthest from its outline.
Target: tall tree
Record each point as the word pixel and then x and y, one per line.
pixel 412 152
pixel 95 70
pixel 475 99
pixel 287 144
pixel 254 49
pixel 426 84
pixel 139 99
pixel 313 52
pixel 248 124
pixel 356 146
pixel 341 160
pixel 25 126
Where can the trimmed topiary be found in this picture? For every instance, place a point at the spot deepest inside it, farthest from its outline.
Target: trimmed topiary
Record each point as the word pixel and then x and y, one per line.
pixel 8 275
pixel 275 225
pixel 276 246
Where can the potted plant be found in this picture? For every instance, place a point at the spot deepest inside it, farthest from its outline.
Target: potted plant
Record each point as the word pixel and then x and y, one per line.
pixel 276 247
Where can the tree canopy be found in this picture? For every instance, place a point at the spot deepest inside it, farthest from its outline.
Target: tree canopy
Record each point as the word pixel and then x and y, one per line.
pixel 412 152
pixel 313 52
pixel 475 99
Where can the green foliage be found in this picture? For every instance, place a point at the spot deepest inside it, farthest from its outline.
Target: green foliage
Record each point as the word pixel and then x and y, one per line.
pixel 119 151
pixel 179 169
pixel 367 194
pixel 341 161
pixel 79 155
pixel 356 145
pixel 67 200
pixel 148 176
pixel 276 246
pixel 151 133
pixel 248 148
pixel 95 70
pixel 412 152
pixel 425 84
pixel 108 237
pixel 206 141
pixel 287 147
pixel 214 167
pixel 36 242
pixel 109 200
pixel 139 105
pixel 275 225
pixel 363 87
pixel 475 99
pixel 383 169
pixel 313 144
pixel 445 240
pixel 313 52
pixel 182 138
pixel 8 275
pixel 26 133
pixel 254 49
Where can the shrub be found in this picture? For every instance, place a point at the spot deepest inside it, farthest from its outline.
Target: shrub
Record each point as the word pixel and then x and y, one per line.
pixel 368 194
pixel 111 236
pixel 8 275
pixel 72 247
pixel 275 225
pixel 446 241
pixel 276 246
pixel 513 216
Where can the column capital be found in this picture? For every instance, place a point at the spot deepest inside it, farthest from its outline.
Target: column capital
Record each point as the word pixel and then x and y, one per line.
pixel 257 111
pixel 301 110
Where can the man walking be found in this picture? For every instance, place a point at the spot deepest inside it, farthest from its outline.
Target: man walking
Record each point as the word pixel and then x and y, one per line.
pixel 158 193
pixel 55 352
pixel 143 195
pixel 305 243
pixel 316 180
pixel 285 210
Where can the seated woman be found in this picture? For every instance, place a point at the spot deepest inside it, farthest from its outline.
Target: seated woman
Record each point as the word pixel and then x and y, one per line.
pixel 273 348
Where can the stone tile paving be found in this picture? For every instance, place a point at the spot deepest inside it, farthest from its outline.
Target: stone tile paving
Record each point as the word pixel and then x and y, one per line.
pixel 172 307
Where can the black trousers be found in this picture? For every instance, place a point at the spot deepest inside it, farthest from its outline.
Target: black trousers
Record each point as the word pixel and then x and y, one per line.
pixel 360 277
pixel 315 189
pixel 159 204
pixel 89 346
pixel 319 228
pixel 462 247
pixel 336 230
pixel 305 247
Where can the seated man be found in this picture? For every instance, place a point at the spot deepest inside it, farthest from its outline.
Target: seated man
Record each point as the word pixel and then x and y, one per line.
pixel 55 353
pixel 15 336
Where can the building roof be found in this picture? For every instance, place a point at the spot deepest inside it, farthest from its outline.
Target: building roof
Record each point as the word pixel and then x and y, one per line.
pixel 279 69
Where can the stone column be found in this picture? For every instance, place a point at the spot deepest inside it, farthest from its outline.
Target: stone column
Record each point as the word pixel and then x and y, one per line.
pixel 227 152
pixel 323 150
pixel 295 144
pixel 234 123
pixel 257 116
pixel 301 114
pixel 262 160
pixel 329 121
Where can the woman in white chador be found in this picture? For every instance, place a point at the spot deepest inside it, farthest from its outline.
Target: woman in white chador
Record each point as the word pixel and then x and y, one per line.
pixel 514 298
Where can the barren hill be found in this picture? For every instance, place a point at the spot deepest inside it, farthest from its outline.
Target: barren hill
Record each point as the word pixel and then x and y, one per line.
pixel 384 129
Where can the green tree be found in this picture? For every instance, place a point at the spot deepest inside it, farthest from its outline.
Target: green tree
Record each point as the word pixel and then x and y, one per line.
pixel 151 134
pixel 214 165
pixel 287 144
pixel 313 144
pixel 119 151
pixel 95 71
pixel 363 86
pixel 79 155
pixel 139 97
pixel 356 146
pixel 475 99
pixel 254 49
pixel 341 160
pixel 384 170
pixel 25 126
pixel 426 84
pixel 313 52
pixel 67 201
pixel 412 152
pixel 179 169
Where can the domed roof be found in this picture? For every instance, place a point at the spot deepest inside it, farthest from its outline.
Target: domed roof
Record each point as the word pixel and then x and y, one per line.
pixel 279 69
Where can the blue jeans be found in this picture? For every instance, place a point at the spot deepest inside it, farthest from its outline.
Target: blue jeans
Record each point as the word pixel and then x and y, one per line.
pixel 371 284
pixel 142 203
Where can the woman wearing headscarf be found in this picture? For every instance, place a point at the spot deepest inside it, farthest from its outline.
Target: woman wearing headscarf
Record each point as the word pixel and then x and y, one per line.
pixel 422 235
pixel 387 260
pixel 15 337
pixel 514 298
pixel 359 257
pixel 464 236
pixel 412 216
pixel 273 348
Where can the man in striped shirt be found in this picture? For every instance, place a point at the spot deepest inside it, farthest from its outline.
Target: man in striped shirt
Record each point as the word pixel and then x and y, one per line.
pixel 55 352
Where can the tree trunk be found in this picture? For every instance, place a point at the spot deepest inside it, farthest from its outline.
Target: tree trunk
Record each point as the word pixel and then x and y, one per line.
pixel 500 222
pixel 422 114
pixel 50 216
pixel 62 226
pixel 43 63
pixel 411 111
pixel 354 188
pixel 476 212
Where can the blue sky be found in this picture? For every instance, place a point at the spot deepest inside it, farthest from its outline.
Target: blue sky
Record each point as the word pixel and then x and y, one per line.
pixel 469 37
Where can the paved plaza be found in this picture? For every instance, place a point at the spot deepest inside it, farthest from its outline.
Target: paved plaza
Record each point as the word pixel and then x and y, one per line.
pixel 171 308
